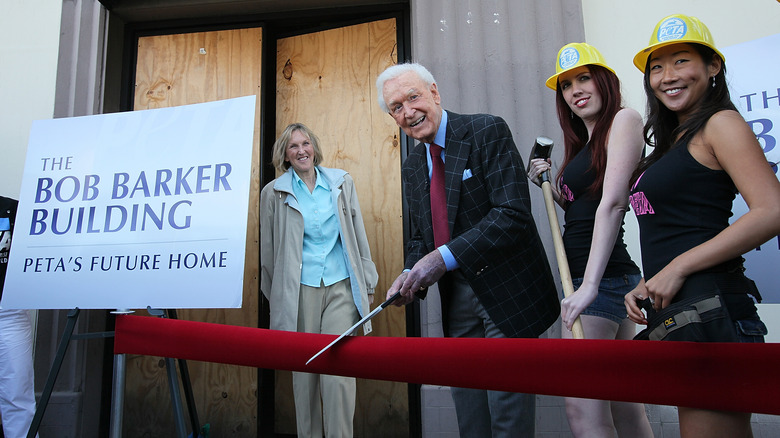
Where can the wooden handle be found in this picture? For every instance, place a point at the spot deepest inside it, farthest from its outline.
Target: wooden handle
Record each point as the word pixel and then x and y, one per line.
pixel 560 254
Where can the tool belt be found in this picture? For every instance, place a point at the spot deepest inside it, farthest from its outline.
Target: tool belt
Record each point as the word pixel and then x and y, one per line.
pixel 699 312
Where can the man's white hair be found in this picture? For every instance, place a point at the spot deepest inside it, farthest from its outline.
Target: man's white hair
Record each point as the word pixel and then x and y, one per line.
pixel 397 70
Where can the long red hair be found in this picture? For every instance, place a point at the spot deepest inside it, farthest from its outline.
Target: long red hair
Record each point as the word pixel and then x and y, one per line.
pixel 575 134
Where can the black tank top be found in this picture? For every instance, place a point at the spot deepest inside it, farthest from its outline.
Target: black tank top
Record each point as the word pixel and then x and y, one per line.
pixel 580 217
pixel 679 204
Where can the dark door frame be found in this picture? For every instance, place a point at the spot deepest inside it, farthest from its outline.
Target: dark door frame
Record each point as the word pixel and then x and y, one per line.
pixel 121 54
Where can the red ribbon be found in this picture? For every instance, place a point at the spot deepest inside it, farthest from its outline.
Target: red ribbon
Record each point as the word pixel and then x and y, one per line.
pixel 719 376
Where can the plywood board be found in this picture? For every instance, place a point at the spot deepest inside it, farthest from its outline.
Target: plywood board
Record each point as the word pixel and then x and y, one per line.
pixel 326 80
pixel 185 69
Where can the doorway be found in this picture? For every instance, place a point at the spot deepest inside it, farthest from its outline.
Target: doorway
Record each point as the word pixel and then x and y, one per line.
pixel 325 79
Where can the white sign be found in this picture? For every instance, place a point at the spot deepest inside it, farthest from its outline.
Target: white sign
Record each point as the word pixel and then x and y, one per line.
pixel 754 84
pixel 134 209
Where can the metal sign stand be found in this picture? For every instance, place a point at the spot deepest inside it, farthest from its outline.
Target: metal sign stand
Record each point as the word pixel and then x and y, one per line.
pixel 118 390
pixel 173 383
pixel 67 336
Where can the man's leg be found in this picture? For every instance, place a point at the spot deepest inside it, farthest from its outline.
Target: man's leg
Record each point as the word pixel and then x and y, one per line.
pixel 485 413
pixel 471 405
pixel 512 414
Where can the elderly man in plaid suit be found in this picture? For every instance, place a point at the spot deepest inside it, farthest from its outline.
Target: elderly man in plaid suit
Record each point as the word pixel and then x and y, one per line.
pixel 467 177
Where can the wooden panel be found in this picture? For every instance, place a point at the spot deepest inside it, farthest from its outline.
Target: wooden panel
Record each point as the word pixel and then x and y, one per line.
pixel 326 80
pixel 179 70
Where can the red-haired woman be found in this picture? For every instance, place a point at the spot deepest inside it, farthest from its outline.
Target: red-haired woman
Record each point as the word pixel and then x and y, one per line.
pixel 603 144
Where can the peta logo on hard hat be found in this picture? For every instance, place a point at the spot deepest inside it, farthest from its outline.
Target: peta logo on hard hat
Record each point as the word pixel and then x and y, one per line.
pixel 671 29
pixel 568 58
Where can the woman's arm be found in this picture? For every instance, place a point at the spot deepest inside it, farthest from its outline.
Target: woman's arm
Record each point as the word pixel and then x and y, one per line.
pixel 727 142
pixel 624 149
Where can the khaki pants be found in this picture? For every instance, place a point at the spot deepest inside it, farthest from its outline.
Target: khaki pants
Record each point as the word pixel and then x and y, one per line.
pixel 325 310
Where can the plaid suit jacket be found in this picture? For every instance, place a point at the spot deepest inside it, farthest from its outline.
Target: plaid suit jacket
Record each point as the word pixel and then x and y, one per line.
pixel 494 235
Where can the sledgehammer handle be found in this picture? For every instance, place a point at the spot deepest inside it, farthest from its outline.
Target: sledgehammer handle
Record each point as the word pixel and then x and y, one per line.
pixel 560 254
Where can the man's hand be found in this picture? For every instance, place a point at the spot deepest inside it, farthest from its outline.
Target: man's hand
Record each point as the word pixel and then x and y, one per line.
pixel 397 284
pixel 425 272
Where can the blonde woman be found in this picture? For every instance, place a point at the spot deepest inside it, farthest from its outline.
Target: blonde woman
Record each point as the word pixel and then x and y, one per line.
pixel 316 269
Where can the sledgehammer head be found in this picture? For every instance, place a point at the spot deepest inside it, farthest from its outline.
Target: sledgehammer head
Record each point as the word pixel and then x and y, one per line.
pixel 542 149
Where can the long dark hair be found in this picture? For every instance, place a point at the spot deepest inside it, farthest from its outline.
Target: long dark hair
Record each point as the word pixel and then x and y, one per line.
pixel 575 134
pixel 662 128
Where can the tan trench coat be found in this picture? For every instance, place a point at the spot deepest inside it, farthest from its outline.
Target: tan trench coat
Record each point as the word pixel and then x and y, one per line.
pixel 281 246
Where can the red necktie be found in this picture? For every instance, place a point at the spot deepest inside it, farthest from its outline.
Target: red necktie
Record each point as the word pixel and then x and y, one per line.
pixel 441 228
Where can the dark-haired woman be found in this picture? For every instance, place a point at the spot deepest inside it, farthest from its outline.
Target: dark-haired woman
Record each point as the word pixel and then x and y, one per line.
pixel 704 153
pixel 603 144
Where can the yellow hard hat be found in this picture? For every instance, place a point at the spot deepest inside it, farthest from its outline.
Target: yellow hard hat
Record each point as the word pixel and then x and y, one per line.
pixel 675 29
pixel 575 55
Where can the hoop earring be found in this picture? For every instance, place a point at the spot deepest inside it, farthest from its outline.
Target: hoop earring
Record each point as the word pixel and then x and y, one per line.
pixel 713 82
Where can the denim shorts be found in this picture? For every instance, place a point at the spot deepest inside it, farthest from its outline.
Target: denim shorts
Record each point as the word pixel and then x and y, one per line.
pixel 751 330
pixel 609 302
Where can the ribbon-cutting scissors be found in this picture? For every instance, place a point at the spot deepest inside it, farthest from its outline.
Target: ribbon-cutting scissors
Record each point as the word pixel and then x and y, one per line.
pixel 358 324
